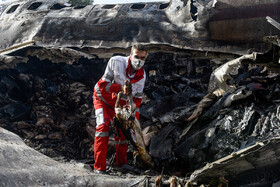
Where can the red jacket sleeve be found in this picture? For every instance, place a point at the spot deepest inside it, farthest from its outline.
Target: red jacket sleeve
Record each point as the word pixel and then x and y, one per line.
pixel 107 92
pixel 106 87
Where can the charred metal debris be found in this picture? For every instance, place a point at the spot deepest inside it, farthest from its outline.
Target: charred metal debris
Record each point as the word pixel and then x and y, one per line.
pixel 50 106
pixel 211 26
pixel 211 112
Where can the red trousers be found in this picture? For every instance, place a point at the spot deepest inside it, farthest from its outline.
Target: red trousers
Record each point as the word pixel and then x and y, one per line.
pixel 104 116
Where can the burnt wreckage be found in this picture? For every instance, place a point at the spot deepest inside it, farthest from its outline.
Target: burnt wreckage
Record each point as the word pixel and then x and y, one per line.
pixel 211 111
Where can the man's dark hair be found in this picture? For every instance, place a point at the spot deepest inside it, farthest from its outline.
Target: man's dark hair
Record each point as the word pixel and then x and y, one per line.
pixel 139 47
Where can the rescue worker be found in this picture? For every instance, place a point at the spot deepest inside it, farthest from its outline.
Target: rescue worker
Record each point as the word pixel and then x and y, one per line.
pixel 119 69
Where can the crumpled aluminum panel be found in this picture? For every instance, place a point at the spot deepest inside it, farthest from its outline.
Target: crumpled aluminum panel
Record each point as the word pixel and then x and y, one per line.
pixel 181 25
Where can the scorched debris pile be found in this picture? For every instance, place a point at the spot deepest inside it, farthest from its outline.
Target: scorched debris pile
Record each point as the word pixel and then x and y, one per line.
pixel 50 106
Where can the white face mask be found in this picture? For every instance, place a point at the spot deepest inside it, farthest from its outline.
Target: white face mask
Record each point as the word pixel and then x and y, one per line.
pixel 137 63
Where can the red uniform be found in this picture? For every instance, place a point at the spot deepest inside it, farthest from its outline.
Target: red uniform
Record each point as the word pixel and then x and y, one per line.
pixel 104 99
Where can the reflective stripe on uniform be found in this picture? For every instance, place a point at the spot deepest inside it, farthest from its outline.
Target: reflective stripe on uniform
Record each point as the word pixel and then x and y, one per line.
pixel 99 117
pixel 121 141
pixel 137 110
pixel 96 87
pixel 101 134
pixel 99 125
pixel 107 88
pixel 139 95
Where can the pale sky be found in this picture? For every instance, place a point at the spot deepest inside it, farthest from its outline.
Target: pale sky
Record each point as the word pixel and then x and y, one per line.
pixel 116 1
pixel 125 1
